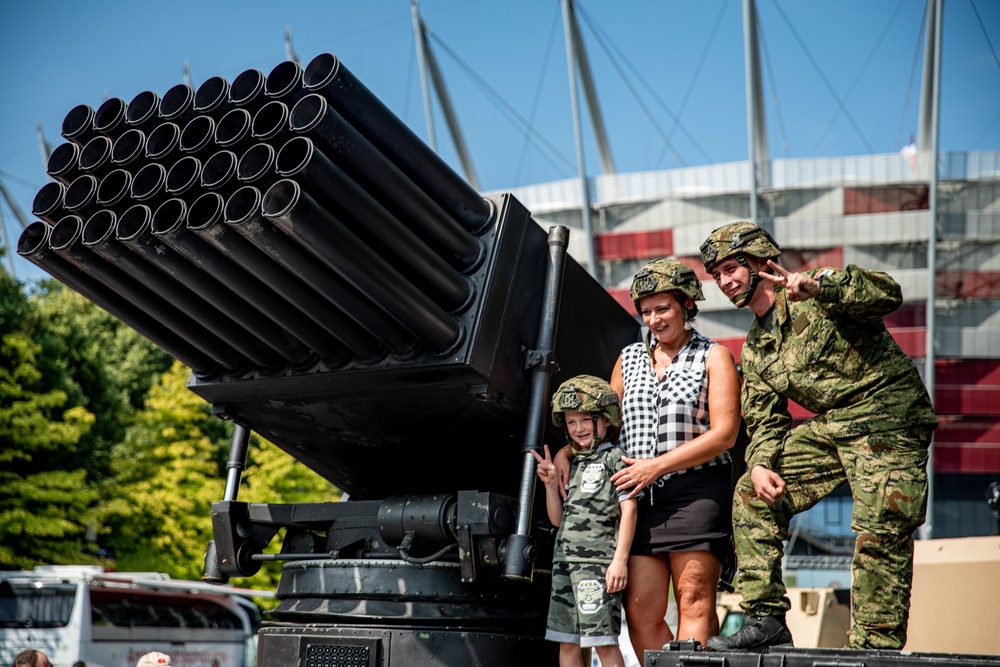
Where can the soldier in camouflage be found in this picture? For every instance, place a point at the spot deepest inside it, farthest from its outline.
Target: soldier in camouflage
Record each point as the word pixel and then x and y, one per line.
pixel 596 524
pixel 819 339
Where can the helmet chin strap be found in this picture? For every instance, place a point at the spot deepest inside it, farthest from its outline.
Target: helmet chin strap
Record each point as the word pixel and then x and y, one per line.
pixel 742 300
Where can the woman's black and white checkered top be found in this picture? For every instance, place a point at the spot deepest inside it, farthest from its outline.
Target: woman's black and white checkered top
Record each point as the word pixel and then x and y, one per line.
pixel 659 416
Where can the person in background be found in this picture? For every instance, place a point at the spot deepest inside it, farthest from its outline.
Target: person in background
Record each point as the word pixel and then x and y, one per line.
pixel 154 659
pixel 819 339
pixel 31 658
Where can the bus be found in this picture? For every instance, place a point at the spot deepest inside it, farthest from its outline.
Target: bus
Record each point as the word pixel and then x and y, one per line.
pixel 110 619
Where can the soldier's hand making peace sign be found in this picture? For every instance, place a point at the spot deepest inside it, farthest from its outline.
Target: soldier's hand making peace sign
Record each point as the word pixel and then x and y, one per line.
pixel 798 286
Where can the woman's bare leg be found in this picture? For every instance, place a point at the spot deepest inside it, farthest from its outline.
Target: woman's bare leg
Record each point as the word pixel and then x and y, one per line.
pixel 646 598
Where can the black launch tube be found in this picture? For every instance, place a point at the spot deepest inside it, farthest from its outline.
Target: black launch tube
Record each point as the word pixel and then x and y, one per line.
pixel 243 214
pixel 81 196
pixel 257 166
pixel 247 90
pixel 114 190
pixel 298 215
pixel 163 143
pixel 198 137
pixel 270 123
pixel 48 202
pixel 135 231
pixel 218 173
pixel 129 149
pixel 212 97
pixel 95 158
pixel 143 112
pixel 206 218
pixel 33 245
pixel 232 132
pixel 284 82
pixel 99 236
pixel 78 125
pixel 346 200
pixel 109 119
pixel 64 163
pixel 325 74
pixel 316 118
pixel 149 185
pixel 177 104
pixel 184 178
pixel 63 240
pixel 168 225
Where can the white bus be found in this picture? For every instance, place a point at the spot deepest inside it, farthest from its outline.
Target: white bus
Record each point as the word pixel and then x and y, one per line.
pixel 110 619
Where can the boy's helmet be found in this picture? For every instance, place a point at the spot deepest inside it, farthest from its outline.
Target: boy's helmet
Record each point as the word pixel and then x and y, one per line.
pixel 665 275
pixel 738 238
pixel 586 393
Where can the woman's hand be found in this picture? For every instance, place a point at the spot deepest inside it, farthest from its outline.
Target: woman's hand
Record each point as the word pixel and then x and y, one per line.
pixel 561 462
pixel 639 474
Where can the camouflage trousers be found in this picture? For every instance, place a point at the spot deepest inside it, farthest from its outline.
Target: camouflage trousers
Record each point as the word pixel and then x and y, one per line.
pixel 581 611
pixel 888 479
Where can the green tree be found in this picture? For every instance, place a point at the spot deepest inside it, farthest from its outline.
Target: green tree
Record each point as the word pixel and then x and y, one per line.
pixel 46 508
pixel 168 473
pixel 101 364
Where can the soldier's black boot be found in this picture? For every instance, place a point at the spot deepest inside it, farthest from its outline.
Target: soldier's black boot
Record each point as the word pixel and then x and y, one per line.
pixel 757 635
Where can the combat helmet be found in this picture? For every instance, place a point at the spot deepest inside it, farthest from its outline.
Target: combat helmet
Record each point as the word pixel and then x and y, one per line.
pixel 666 275
pixel 586 393
pixel 739 239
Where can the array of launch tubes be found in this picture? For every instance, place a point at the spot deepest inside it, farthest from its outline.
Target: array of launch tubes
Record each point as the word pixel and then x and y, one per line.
pixel 278 221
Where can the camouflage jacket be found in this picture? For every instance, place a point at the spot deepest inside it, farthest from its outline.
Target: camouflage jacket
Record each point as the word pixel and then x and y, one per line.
pixel 833 355
pixel 589 528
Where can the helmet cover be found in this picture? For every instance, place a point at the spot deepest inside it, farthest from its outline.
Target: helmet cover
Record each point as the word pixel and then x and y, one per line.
pixel 586 393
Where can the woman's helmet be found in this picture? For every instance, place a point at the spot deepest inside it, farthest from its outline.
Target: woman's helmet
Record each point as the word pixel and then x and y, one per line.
pixel 738 238
pixel 666 275
pixel 586 393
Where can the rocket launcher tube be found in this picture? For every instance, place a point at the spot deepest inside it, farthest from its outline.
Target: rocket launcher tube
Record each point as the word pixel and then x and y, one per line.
pixel 98 236
pixel 243 213
pixel 298 215
pixel 134 229
pixel 33 245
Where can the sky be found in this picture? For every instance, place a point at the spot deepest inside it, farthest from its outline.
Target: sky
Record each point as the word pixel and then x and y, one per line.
pixel 840 78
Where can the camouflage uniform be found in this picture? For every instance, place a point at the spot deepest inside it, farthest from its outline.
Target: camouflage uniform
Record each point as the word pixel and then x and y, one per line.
pixel 833 355
pixel 581 611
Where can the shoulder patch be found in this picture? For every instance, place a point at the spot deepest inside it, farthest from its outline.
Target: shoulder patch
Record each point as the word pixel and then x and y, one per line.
pixel 826 271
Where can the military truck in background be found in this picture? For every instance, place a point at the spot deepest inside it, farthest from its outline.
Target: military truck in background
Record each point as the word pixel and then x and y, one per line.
pixel 336 288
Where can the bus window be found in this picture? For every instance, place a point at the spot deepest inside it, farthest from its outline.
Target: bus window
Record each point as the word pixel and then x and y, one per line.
pixel 138 609
pixel 35 606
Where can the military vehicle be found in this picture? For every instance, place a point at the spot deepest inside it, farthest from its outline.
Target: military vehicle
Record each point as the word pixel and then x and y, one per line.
pixel 337 288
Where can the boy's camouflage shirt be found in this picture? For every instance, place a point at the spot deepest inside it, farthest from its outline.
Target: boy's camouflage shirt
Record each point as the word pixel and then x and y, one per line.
pixel 588 532
pixel 831 354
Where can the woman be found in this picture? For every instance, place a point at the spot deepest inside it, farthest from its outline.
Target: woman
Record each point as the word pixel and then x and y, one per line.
pixel 680 415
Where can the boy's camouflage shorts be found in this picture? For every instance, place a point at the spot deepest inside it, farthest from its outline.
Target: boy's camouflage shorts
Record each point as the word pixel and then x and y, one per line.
pixel 581 611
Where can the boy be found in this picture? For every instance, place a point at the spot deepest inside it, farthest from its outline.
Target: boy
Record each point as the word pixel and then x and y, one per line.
pixel 589 568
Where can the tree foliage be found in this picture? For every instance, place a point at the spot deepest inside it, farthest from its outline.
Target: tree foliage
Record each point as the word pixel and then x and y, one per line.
pixel 46 507
pixel 105 455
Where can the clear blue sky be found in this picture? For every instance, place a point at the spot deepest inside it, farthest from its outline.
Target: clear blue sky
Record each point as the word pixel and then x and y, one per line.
pixel 842 77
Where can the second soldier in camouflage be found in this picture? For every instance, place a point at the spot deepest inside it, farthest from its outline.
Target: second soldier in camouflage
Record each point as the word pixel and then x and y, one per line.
pixel 819 339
